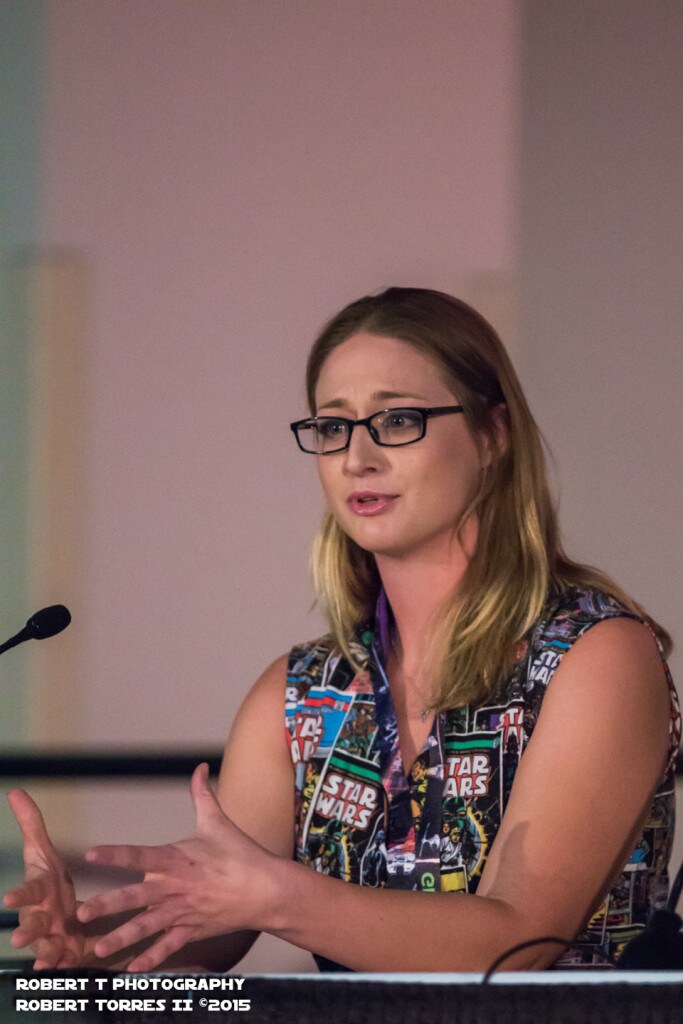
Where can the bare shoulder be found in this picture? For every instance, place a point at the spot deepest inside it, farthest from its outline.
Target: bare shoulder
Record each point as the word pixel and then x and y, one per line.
pixel 261 714
pixel 268 692
pixel 609 696
pixel 587 778
pixel 622 638
pixel 615 670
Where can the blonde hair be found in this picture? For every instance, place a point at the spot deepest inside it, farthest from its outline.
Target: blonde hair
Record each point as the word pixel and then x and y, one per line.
pixel 518 561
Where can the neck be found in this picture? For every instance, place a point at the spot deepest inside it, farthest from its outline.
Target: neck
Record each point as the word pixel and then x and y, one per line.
pixel 415 588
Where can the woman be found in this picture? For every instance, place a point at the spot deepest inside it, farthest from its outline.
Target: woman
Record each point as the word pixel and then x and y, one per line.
pixel 452 608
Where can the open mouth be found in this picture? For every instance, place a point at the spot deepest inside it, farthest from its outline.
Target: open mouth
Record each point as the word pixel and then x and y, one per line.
pixel 369 504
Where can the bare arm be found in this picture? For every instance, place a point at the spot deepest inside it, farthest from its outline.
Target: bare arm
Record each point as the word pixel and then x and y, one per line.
pixel 581 794
pixel 256 791
pixel 579 799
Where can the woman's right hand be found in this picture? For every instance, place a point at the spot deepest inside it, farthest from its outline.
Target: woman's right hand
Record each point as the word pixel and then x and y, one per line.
pixel 46 899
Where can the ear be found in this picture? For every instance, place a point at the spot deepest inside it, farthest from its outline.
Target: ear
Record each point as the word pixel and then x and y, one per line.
pixel 496 439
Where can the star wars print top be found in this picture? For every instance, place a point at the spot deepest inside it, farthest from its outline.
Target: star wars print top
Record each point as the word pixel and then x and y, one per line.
pixel 361 819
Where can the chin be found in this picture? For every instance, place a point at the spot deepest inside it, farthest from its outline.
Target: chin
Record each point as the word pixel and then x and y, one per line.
pixel 436 547
pixel 389 547
pixel 379 537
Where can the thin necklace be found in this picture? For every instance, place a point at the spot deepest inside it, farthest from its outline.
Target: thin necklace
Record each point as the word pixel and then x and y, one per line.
pixel 425 710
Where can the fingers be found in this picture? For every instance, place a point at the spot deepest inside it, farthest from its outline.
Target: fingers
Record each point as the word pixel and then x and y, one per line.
pixel 48 953
pixel 160 950
pixel 206 805
pixel 27 894
pixel 68 959
pixel 139 858
pixel 33 926
pixel 143 926
pixel 49 949
pixel 129 897
pixel 199 783
pixel 29 818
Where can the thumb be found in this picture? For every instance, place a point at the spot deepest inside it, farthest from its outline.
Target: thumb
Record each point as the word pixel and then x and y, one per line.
pixel 29 818
pixel 206 806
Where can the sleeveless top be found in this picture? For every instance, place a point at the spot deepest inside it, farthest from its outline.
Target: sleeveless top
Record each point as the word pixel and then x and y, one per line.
pixel 360 819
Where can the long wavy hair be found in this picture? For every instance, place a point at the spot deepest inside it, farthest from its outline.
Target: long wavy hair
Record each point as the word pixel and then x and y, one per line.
pixel 518 561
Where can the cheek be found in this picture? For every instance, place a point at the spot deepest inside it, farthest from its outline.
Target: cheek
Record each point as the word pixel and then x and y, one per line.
pixel 325 476
pixel 453 474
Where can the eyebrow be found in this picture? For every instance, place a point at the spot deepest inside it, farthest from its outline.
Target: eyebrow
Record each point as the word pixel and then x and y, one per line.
pixel 376 396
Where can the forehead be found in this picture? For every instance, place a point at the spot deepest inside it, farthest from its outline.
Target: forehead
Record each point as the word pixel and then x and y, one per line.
pixel 370 362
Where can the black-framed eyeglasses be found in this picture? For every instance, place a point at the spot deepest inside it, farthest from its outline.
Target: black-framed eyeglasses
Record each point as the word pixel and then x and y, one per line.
pixel 391 428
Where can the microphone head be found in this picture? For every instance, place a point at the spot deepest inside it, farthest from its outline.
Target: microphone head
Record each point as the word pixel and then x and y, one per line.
pixel 48 621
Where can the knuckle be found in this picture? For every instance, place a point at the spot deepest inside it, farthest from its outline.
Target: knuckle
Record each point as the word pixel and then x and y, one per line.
pixel 137 927
pixel 92 908
pixel 46 949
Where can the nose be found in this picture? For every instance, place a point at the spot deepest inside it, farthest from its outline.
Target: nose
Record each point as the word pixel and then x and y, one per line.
pixel 363 455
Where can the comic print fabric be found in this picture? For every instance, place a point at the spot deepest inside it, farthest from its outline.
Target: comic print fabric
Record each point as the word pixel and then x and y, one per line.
pixel 360 818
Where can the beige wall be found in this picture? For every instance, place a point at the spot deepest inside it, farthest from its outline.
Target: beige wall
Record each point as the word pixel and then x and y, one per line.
pixel 228 174
pixel 233 173
pixel 601 252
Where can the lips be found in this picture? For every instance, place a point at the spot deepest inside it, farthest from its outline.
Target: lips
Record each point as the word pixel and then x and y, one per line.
pixel 370 503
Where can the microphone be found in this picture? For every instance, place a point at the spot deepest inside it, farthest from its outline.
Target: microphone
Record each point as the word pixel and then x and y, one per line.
pixel 46 622
pixel 658 948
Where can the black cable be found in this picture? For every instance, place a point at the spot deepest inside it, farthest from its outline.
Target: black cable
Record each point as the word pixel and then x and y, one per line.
pixel 520 946
pixel 675 893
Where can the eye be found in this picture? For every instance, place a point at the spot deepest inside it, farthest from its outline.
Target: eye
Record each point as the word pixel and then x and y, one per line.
pixel 398 420
pixel 331 428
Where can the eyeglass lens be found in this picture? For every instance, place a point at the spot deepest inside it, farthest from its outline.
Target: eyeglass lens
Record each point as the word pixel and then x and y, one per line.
pixel 329 434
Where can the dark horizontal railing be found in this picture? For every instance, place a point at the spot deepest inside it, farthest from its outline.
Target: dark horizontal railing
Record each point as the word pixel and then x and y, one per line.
pixel 53 765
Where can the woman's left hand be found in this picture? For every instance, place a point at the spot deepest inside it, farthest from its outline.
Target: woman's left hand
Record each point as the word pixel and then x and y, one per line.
pixel 217 881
